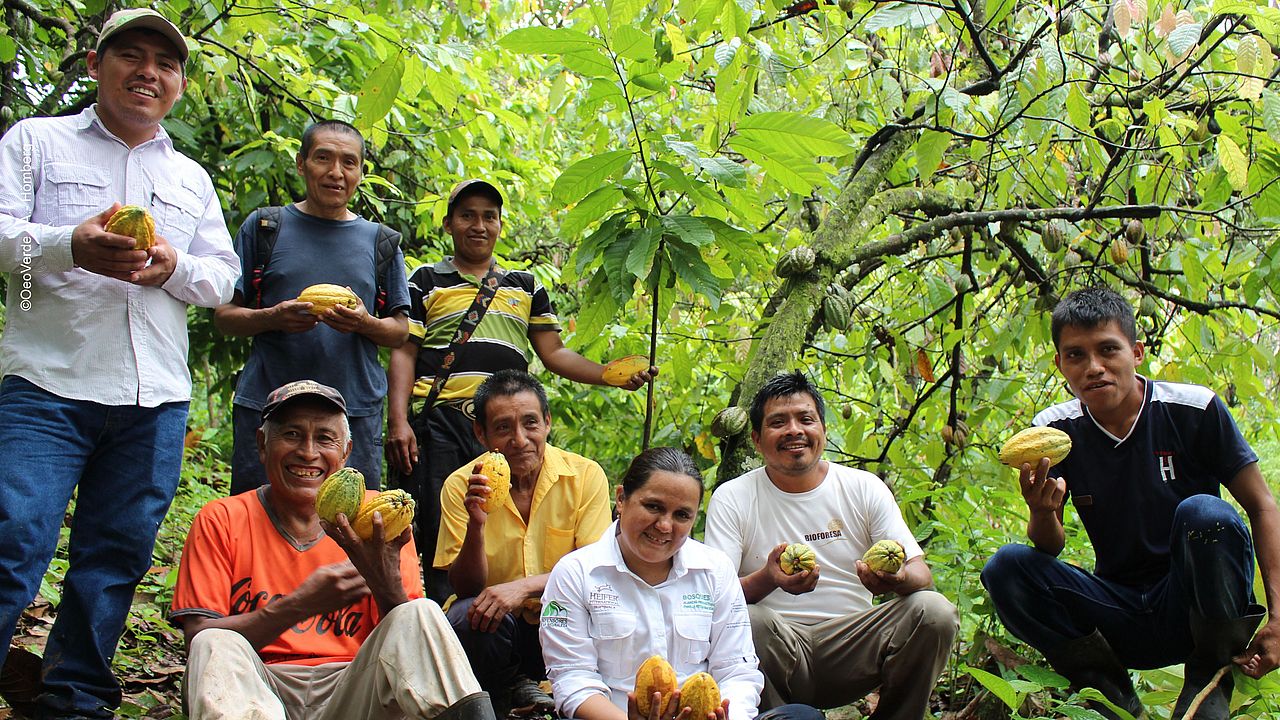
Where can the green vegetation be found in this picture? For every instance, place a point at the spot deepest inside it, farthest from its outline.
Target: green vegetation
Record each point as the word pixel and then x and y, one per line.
pixel 954 168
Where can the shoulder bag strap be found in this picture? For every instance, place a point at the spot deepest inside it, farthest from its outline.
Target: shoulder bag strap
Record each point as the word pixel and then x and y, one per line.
pixel 470 319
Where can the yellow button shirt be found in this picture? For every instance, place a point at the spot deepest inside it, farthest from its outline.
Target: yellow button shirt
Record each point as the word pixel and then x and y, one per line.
pixel 570 509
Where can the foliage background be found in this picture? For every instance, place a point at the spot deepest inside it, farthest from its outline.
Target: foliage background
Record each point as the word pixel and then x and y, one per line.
pixel 954 165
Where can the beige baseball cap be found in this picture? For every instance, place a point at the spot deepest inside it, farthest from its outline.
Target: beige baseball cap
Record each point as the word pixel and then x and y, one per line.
pixel 144 18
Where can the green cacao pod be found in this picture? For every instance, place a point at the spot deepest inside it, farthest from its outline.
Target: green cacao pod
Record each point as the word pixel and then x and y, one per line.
pixel 1134 231
pixel 1028 446
pixel 729 422
pixel 886 556
pixel 654 675
pixel 837 308
pixel 796 261
pixel 325 295
pixel 1072 259
pixel 797 557
pixel 701 695
pixel 1149 306
pixel 396 509
pixel 341 492
pixel 135 222
pixel 1054 235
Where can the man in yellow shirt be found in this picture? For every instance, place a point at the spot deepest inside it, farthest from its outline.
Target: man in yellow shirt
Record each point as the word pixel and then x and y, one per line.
pixel 498 561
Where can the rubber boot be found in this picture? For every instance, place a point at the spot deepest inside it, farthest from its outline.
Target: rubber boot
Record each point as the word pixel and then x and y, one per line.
pixel 1216 642
pixel 475 706
pixel 1089 662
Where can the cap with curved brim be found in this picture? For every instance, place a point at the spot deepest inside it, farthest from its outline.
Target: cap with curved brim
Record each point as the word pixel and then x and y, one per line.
pixel 299 388
pixel 472 187
pixel 142 19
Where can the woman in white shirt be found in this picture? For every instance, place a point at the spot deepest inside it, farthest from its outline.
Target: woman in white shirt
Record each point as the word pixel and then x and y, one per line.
pixel 647 589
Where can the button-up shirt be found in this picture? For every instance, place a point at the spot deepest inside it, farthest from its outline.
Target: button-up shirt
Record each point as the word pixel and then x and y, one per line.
pixel 600 621
pixel 81 335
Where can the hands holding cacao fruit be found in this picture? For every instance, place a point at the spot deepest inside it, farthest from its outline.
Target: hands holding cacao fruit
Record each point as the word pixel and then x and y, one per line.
pixel 797 583
pixel 1043 494
pixel 881 569
pixel 629 373
pixel 101 251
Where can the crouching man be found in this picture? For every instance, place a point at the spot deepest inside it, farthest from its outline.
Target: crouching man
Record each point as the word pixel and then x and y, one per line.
pixel 289 617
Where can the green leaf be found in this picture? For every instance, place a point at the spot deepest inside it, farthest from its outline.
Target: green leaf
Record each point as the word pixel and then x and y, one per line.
pixel 379 91
pixel 723 171
pixel 1271 114
pixel 640 255
pixel 589 63
pixel 795 174
pixel 929 149
pixel 898 14
pixel 1043 676
pixel 1078 109
pixel 792 133
pixel 631 43
pixel 547 41
pixel 997 685
pixel 1233 161
pixel 588 174
pixel 8 49
pixel 589 209
pixel 689 266
pixel 690 229
pixel 1184 38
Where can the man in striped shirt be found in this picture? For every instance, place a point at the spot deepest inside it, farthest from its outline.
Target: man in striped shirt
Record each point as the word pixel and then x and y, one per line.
pixel 519 318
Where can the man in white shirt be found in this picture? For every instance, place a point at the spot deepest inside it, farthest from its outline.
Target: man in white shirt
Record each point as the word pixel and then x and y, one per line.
pixel 94 355
pixel 819 638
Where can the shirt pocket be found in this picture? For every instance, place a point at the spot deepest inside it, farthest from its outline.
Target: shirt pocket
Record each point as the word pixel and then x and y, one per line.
pixel 177 210
pixel 614 635
pixel 557 543
pixel 81 191
pixel 693 637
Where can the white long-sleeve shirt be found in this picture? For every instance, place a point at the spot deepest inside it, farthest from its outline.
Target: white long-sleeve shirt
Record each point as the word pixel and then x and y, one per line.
pixel 600 621
pixel 81 335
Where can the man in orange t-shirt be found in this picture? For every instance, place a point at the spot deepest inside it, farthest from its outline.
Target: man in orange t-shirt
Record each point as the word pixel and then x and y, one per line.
pixel 286 616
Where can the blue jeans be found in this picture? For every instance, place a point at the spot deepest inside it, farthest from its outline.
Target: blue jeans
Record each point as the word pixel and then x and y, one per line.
pixel 124 463
pixel 1046 602
pixel 247 472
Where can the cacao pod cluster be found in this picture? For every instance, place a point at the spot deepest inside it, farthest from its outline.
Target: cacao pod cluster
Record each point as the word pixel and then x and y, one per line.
pixel 1028 446
pixel 618 372
pixel 700 693
pixel 796 558
pixel 886 556
pixel 343 492
pixel 325 295
pixel 837 308
pixel 796 261
pixel 135 222
pixel 957 434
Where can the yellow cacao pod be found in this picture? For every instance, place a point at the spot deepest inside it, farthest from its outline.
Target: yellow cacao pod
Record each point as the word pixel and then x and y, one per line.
pixel 1119 251
pixel 495 467
pixel 324 296
pixel 1034 443
pixel 701 695
pixel 135 222
pixel 654 675
pixel 396 508
pixel 618 372
pixel 798 557
pixel 341 492
pixel 886 556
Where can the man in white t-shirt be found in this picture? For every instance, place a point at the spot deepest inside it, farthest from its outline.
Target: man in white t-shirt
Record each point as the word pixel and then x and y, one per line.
pixel 819 638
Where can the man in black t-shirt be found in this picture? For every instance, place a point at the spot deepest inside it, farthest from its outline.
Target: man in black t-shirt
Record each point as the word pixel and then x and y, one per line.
pixel 1175 563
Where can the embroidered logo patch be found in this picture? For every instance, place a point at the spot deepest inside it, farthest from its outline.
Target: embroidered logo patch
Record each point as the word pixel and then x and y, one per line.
pixel 555 615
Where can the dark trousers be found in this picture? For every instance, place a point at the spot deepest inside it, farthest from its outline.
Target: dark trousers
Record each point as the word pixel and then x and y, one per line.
pixel 446 441
pixel 498 657
pixel 1046 602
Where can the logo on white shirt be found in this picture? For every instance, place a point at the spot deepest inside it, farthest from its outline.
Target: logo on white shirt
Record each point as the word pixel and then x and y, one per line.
pixel 555 615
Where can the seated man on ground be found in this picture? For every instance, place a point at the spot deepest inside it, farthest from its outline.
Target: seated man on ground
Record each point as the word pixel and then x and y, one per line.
pixel 498 561
pixel 1173 582
pixel 819 638
pixel 289 617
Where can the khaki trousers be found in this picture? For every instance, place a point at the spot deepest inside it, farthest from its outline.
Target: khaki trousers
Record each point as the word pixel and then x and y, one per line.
pixel 900 646
pixel 411 666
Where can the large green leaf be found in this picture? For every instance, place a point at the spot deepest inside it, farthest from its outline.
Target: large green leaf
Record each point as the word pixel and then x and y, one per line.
pixel 378 93
pixel 791 133
pixel 587 175
pixel 547 41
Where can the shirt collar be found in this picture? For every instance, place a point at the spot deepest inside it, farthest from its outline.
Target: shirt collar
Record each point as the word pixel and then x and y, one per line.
pixel 89 118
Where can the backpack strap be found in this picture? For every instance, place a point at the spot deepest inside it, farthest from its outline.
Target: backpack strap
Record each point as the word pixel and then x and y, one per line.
pixel 385 247
pixel 264 235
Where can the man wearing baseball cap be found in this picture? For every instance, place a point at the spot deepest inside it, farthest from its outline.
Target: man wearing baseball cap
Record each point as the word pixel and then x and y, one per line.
pixel 286 615
pixel 430 417
pixel 94 354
